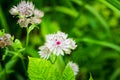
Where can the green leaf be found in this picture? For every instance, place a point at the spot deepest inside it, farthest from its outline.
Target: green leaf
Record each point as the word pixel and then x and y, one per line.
pixel 68 73
pixel 91 77
pixel 17 44
pixel 115 3
pixel 31 28
pixel 41 69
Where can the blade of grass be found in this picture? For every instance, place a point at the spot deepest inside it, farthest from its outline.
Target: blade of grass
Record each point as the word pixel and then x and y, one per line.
pixel 112 7
pixel 102 43
pixel 67 11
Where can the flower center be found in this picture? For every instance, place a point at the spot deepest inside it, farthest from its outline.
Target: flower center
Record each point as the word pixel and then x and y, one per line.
pixel 58 42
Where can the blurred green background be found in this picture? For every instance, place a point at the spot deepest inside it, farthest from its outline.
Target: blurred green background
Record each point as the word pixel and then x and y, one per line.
pixel 94 24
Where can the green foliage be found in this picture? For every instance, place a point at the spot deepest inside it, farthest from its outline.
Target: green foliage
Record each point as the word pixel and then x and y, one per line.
pixel 41 69
pixel 17 45
pixel 68 73
pixel 102 43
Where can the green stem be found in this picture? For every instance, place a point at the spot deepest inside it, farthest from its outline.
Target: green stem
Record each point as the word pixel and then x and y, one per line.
pixel 15 58
pixel 27 39
pixel 53 59
pixel 6 52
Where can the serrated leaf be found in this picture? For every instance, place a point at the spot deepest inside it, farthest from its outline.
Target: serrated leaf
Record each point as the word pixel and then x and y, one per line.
pixel 41 69
pixel 68 73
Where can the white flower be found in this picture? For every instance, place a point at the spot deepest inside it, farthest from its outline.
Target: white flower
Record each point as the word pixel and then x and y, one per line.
pixel 26 13
pixel 14 11
pixel 44 52
pixel 74 67
pixel 25 8
pixel 57 43
pixel 5 40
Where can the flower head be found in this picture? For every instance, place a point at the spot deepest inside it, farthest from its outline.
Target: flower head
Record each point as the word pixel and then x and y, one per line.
pixel 2 43
pixel 74 67
pixel 26 13
pixel 25 8
pixel 5 40
pixel 58 43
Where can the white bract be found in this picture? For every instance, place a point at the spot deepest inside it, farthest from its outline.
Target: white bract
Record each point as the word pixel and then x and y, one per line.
pixel 14 11
pixel 44 52
pixel 74 67
pixel 58 43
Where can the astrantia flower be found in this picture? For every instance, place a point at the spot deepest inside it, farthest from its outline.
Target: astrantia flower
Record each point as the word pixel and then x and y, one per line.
pixel 25 8
pixel 2 43
pixel 44 52
pixel 58 44
pixel 26 13
pixel 5 40
pixel 74 67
